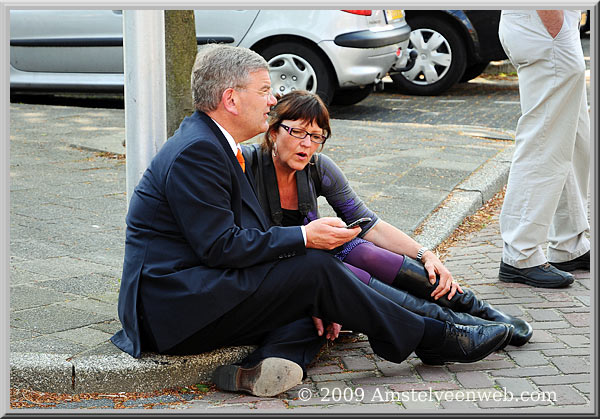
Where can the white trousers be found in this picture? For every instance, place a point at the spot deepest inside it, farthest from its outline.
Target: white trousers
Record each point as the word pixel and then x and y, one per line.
pixel 546 196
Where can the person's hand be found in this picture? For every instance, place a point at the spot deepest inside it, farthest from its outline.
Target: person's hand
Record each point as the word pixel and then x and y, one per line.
pixel 328 233
pixel 552 20
pixel 333 329
pixel 447 284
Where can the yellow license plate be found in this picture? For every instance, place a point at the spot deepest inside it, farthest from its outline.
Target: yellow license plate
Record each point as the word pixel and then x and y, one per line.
pixel 394 14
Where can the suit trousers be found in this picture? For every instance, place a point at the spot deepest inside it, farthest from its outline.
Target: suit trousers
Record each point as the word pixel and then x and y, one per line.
pixel 547 192
pixel 277 315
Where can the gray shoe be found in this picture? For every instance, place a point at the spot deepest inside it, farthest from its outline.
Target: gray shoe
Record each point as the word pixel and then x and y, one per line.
pixel 543 276
pixel 268 378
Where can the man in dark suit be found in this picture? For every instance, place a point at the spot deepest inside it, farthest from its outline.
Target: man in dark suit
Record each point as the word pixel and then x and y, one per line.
pixel 204 269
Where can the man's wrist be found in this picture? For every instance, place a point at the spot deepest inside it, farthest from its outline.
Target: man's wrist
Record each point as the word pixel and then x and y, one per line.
pixel 303 228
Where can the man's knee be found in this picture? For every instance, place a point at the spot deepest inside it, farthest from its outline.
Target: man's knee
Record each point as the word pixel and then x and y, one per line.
pixel 324 262
pixel 317 266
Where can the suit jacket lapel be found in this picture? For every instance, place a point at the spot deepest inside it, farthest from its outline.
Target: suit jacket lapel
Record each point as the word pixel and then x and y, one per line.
pixel 246 180
pixel 251 180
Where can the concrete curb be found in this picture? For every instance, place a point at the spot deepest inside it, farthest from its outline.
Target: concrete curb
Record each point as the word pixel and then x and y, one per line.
pixel 113 373
pixel 465 199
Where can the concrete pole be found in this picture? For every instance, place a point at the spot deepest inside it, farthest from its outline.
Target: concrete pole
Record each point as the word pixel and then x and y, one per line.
pixel 145 97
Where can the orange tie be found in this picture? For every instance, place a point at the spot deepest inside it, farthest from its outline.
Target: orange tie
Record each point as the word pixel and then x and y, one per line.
pixel 241 160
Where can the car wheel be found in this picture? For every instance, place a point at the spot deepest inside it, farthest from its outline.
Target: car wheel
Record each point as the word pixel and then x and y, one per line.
pixel 474 71
pixel 346 97
pixel 293 66
pixel 441 61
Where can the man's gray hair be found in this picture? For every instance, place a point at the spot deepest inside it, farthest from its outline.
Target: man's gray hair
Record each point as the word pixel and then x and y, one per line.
pixel 219 67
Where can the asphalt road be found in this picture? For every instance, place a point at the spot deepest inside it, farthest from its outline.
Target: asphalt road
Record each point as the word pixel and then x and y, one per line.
pixel 477 103
pixel 481 102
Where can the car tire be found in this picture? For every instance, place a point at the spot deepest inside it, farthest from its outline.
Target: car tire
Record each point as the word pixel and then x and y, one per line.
pixel 428 77
pixel 294 66
pixel 347 97
pixel 473 71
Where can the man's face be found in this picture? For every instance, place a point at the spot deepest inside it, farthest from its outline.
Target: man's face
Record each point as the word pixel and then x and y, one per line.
pixel 256 100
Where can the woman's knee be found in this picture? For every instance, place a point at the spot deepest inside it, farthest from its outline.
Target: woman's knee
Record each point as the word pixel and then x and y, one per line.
pixel 365 254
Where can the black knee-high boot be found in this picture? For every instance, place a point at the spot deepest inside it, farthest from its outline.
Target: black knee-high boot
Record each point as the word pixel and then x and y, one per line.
pixel 413 277
pixel 428 309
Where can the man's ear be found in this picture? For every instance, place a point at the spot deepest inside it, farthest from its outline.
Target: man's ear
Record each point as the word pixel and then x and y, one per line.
pixel 230 100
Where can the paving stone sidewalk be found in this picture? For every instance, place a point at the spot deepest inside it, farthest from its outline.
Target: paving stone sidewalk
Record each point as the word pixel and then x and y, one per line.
pixel 551 371
pixel 67 234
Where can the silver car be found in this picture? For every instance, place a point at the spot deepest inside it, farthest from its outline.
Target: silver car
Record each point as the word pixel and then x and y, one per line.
pixel 340 54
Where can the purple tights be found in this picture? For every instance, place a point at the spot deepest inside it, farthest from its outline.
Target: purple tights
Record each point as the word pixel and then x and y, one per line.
pixel 367 260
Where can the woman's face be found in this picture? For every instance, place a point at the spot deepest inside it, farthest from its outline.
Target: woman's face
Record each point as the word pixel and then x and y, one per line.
pixel 291 152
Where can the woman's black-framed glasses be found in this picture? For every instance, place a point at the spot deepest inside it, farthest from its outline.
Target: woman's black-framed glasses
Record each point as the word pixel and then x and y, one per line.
pixel 301 134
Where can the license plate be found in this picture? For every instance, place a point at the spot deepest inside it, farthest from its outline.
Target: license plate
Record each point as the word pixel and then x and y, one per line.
pixel 392 15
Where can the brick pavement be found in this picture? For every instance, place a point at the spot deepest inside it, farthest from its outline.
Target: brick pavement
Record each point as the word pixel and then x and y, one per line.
pixel 553 368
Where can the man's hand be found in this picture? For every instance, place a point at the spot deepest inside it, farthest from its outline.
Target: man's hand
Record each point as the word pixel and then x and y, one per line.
pixel 333 329
pixel 434 266
pixel 328 233
pixel 552 20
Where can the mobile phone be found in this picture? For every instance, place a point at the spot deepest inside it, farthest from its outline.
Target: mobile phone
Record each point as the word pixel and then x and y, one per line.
pixel 359 222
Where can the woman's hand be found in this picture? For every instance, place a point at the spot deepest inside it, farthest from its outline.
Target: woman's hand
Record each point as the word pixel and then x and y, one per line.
pixel 447 285
pixel 389 237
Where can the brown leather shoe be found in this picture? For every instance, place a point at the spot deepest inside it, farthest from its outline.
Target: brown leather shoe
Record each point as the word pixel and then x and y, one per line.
pixel 268 378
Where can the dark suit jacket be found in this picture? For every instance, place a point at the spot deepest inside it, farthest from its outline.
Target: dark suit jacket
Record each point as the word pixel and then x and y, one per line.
pixel 197 240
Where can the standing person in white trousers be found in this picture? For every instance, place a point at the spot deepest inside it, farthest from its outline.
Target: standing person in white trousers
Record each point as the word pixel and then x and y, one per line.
pixel 546 196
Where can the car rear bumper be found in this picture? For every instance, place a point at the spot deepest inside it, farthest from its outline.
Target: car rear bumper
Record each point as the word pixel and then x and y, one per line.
pixel 373 39
pixel 359 67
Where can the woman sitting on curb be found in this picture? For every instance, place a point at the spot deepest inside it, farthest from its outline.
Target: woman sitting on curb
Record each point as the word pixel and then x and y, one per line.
pixel 290 176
